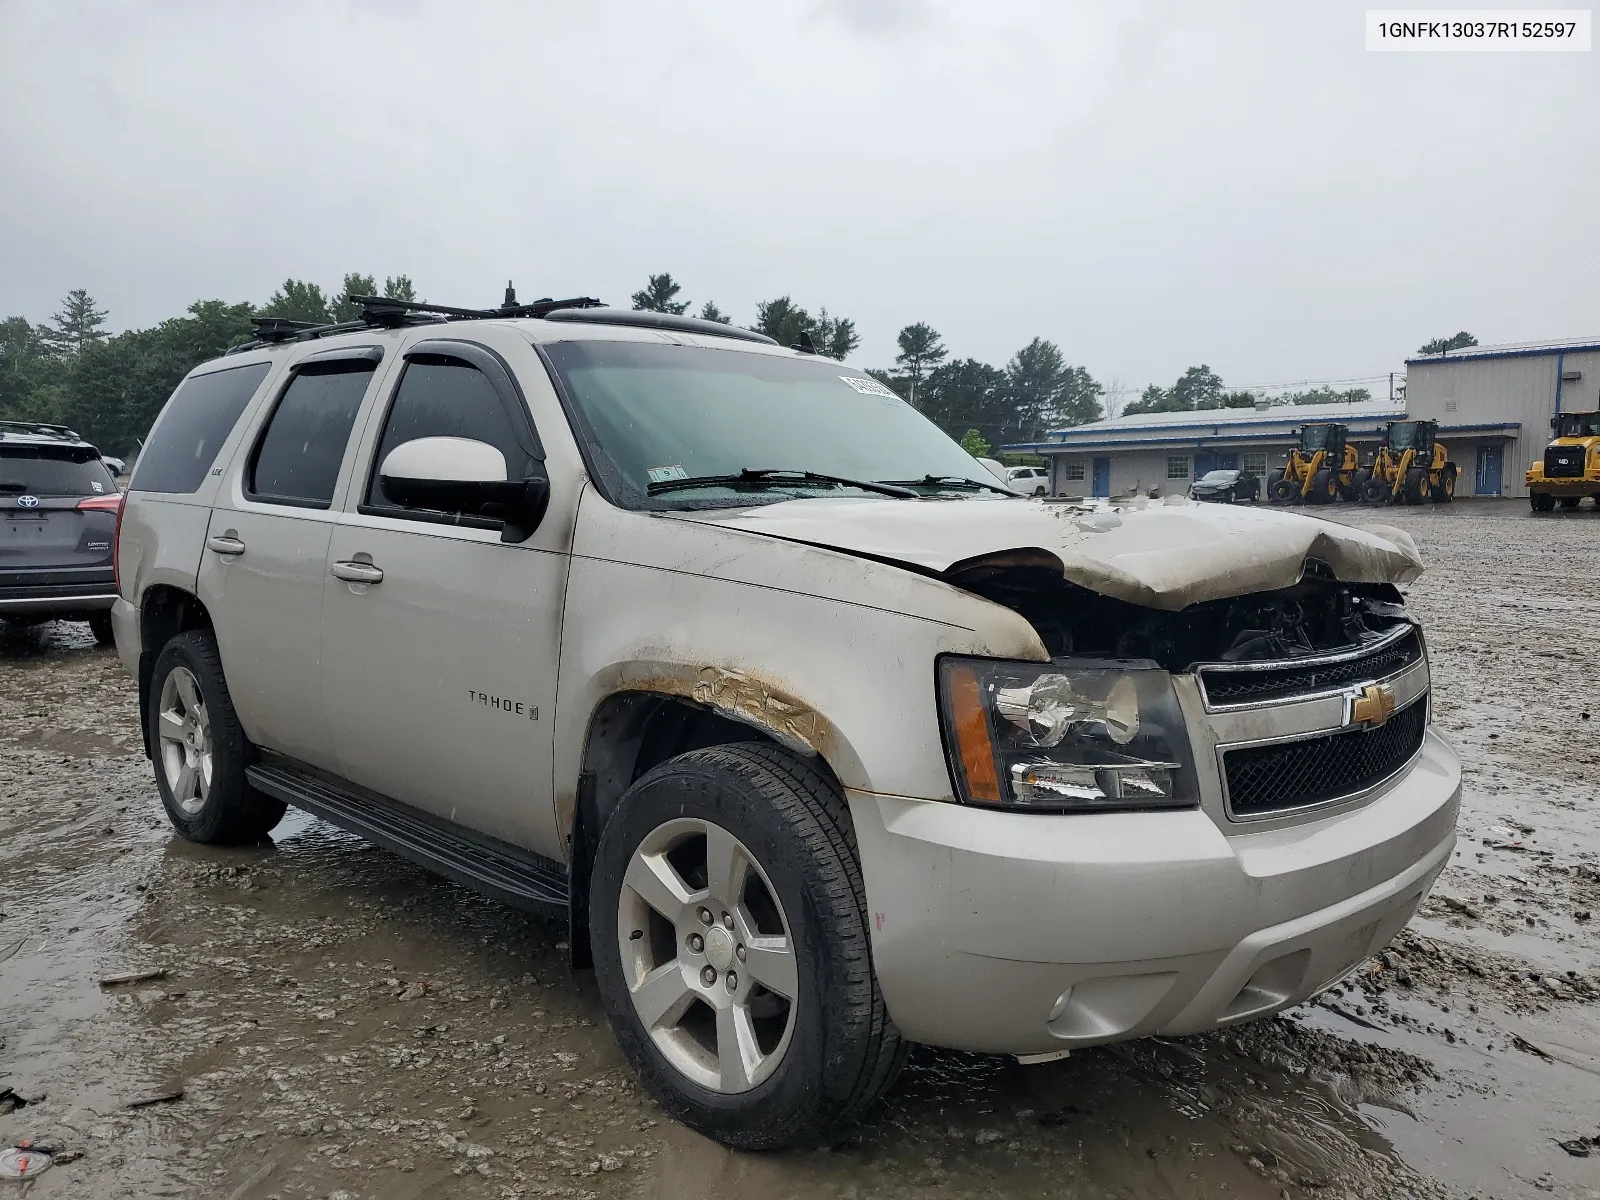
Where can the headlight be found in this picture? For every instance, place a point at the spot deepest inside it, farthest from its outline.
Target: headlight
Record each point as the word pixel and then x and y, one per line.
pixel 1074 735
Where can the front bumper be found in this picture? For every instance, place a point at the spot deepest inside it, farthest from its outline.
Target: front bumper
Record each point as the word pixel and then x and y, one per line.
pixel 1023 933
pixel 1563 485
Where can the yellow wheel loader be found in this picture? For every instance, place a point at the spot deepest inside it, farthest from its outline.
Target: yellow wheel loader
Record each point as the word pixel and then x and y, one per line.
pixel 1571 467
pixel 1410 466
pixel 1319 471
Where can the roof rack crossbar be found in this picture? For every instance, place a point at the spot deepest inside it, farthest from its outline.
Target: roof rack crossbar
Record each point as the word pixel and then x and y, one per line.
pixel 384 310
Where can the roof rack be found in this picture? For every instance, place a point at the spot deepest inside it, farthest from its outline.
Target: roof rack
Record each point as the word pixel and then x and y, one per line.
pixel 38 429
pixel 655 320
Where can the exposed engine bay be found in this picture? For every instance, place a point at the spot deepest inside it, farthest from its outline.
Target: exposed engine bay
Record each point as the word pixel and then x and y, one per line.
pixel 1317 615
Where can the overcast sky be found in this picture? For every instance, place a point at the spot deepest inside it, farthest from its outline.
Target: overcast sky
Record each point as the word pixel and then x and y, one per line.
pixel 1148 185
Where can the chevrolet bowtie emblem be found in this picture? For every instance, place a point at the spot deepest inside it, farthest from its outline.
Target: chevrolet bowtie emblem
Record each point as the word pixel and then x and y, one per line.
pixel 1371 706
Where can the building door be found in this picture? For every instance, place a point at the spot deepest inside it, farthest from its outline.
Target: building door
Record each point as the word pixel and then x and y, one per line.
pixel 1488 483
pixel 1102 477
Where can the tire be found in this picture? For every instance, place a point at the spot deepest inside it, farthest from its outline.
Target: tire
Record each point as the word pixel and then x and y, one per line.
pixel 837 1050
pixel 100 626
pixel 1569 501
pixel 188 683
pixel 1415 489
pixel 1445 490
pixel 1324 487
pixel 1359 483
pixel 1541 501
pixel 1283 491
pixel 1378 492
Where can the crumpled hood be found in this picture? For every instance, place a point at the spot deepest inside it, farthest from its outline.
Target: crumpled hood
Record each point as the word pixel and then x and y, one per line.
pixel 1167 555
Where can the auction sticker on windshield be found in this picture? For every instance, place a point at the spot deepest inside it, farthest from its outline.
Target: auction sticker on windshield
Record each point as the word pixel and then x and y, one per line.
pixel 665 474
pixel 868 387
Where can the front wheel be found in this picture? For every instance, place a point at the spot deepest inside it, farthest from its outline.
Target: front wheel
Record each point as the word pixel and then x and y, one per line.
pixel 729 934
pixel 200 749
pixel 1445 490
pixel 1541 501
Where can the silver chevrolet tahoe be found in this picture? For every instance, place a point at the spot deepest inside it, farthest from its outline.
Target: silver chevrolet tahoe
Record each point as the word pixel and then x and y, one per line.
pixel 824 741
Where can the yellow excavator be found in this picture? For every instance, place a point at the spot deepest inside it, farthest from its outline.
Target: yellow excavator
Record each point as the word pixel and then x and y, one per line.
pixel 1320 470
pixel 1571 467
pixel 1410 466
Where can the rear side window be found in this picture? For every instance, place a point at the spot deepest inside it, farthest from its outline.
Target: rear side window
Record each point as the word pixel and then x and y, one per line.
pixel 46 471
pixel 442 397
pixel 297 460
pixel 192 428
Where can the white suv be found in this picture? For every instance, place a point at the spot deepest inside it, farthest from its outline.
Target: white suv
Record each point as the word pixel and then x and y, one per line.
pixel 823 740
pixel 1030 481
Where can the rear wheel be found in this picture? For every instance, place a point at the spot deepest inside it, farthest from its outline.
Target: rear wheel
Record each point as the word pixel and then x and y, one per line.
pixel 1569 501
pixel 1541 501
pixel 1358 485
pixel 1445 490
pixel 100 626
pixel 731 950
pixel 200 748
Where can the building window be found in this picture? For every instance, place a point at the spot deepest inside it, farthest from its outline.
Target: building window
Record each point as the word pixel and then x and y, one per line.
pixel 1178 466
pixel 1255 464
pixel 1449 406
pixel 1071 469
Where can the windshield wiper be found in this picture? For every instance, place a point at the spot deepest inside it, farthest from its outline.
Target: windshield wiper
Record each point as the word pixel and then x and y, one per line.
pixel 777 477
pixel 950 481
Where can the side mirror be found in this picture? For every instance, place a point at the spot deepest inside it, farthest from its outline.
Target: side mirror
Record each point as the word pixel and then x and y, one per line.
pixel 460 475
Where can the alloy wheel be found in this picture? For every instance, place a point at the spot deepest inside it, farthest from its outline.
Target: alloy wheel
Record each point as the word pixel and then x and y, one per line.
pixel 184 732
pixel 707 955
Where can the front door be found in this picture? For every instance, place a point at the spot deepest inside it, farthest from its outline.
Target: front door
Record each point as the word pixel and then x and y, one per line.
pixel 1102 477
pixel 1488 481
pixel 261 572
pixel 439 644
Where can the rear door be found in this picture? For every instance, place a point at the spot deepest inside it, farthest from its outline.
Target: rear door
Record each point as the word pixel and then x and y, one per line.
pixel 58 505
pixel 261 574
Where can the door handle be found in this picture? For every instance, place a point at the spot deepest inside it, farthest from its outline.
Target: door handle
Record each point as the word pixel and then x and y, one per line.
pixel 225 545
pixel 356 572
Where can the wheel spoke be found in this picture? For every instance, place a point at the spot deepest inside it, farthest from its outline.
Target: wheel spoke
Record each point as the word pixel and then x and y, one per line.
pixel 183 788
pixel 187 691
pixel 770 962
pixel 738 1053
pixel 726 865
pixel 172 726
pixel 662 997
pixel 658 885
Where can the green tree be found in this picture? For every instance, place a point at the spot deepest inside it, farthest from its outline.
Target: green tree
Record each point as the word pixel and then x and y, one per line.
pixel 398 287
pixel 115 388
pixel 1457 341
pixel 972 442
pixel 659 295
pixel 343 308
pixel 967 394
pixel 1327 395
pixel 1238 400
pixel 1198 387
pixel 834 336
pixel 1154 398
pixel 76 325
pixel 1045 392
pixel 298 300
pixel 710 312
pixel 782 320
pixel 921 350
pixel 30 372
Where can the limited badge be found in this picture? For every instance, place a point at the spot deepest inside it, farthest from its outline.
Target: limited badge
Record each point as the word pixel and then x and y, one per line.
pixel 868 386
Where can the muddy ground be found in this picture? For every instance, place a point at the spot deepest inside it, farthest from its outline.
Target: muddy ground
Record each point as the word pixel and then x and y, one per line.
pixel 333 1022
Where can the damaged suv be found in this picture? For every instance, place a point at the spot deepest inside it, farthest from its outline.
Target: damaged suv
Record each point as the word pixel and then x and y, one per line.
pixel 823 741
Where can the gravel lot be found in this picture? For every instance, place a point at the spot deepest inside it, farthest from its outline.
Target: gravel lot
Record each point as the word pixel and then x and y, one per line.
pixel 332 1022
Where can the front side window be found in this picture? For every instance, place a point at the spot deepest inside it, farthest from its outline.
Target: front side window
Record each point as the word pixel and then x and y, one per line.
pixel 192 428
pixel 297 461
pixel 49 471
pixel 1178 466
pixel 655 416
pixel 445 397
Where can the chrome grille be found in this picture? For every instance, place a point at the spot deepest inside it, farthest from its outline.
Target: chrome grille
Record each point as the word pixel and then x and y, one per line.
pixel 1281 776
pixel 1228 684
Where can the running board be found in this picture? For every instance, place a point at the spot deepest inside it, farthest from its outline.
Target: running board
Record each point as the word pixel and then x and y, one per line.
pixel 498 869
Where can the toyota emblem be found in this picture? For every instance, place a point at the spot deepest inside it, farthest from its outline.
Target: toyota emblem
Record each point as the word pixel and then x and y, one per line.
pixel 27 502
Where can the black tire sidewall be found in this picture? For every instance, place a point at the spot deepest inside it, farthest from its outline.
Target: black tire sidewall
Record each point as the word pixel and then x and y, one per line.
pixel 778 1110
pixel 219 818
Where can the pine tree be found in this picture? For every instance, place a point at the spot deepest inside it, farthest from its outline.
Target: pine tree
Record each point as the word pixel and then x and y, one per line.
pixel 76 325
pixel 659 295
pixel 710 312
pixel 921 350
pixel 298 300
